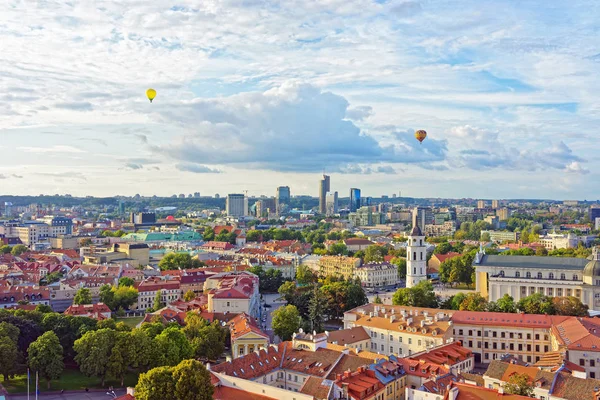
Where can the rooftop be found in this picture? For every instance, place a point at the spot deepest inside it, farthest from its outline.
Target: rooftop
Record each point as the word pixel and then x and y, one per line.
pixel 537 262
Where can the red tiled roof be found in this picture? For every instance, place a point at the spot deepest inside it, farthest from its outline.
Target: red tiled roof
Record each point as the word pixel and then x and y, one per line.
pixel 447 256
pixel 506 319
pixel 243 324
pixel 229 393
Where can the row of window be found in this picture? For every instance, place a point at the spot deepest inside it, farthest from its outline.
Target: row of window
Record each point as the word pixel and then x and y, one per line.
pixel 551 291
pixel 503 335
pixel 540 275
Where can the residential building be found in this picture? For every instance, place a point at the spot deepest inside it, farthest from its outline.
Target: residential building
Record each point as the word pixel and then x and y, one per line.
pixel 357 244
pixel 481 203
pixel 521 276
pixel 264 207
pixel 503 213
pixel 98 311
pixel 579 340
pixel 324 188
pixel 425 216
pixel 10 296
pixel 400 330
pixel 501 236
pixel 170 290
pixel 142 218
pixel 594 212
pixel 233 292
pixel 359 385
pixel 446 228
pixel 355 338
pixel 331 204
pixel 133 254
pixel 338 266
pixel 490 336
pixel 63 242
pixel 246 336
pixel 559 384
pixel 553 241
pixel 437 259
pixel 236 205
pixel 354 199
pixel 416 254
pixel 495 204
pixel 365 216
pixel 374 275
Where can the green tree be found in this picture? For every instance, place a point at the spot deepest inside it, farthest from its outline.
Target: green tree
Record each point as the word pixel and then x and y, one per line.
pixel 107 296
pixel 83 296
pixel 5 249
pixel 51 278
pixel 375 253
pixel 474 302
pixel 19 249
pixel 192 381
pixel 45 356
pixel 569 306
pixel 400 262
pixel 541 251
pixel 442 248
pixel 536 303
pixel 126 281
pixel 519 384
pixel 125 296
pixel 107 324
pixel 9 352
pixel 253 236
pixel 209 234
pixel 316 309
pixel 304 275
pixel 420 295
pixel 156 384
pixel 142 352
pixel 286 321
pixel 119 359
pixel 377 300
pixel 456 300
pixel 179 261
pixel 43 308
pixel 506 304
pixel 94 351
pixel 172 346
pixel 207 340
pixel 189 295
pixel 338 249
pixel 158 301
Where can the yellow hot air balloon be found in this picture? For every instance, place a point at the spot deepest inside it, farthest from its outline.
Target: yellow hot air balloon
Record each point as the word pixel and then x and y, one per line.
pixel 151 93
pixel 420 135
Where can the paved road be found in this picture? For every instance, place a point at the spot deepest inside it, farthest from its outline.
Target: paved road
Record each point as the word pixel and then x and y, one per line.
pixel 68 396
pixel 275 303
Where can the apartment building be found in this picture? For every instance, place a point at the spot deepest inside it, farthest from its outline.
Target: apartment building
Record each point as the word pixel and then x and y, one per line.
pixel 401 330
pixel 490 336
pixel 233 292
pixel 170 290
pixel 579 340
pixel 374 275
pixel 338 266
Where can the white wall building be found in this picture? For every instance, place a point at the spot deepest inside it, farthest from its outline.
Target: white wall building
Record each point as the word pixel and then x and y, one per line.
pixel 416 255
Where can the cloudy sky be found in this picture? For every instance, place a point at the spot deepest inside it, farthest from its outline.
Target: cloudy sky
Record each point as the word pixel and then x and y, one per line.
pixel 253 94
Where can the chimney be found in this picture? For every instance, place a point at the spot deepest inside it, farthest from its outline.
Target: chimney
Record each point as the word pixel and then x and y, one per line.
pixel 422 323
pixel 392 318
pixel 370 315
pixel 347 374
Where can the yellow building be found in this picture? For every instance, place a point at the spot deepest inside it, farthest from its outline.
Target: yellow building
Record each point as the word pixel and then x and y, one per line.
pixel 246 336
pixel 338 266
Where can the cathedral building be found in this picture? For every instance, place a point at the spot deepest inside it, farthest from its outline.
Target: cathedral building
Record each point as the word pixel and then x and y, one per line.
pixel 416 255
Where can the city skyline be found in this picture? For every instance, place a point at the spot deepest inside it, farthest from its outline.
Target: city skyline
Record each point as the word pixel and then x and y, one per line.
pixel 252 96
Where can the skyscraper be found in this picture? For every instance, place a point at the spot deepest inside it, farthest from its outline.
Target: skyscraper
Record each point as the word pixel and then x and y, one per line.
pixel 594 212
pixel 236 205
pixel 354 199
pixel 332 203
pixel 324 187
pixel 282 197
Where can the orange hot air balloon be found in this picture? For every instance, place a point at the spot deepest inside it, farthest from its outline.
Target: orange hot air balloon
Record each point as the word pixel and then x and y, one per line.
pixel 420 135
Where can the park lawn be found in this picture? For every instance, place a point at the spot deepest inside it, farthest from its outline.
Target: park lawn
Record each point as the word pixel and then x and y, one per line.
pixel 130 322
pixel 464 286
pixel 71 379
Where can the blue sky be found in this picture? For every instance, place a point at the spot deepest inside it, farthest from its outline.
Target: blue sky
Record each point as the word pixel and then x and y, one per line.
pixel 257 94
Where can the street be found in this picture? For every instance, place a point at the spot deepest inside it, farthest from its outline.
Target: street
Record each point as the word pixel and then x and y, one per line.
pixel 69 396
pixel 272 300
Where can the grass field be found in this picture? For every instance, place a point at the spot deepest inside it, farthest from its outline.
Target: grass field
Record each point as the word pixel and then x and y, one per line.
pixel 70 380
pixel 132 322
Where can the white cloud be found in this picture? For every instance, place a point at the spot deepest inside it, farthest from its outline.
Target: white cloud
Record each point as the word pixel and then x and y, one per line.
pixel 51 149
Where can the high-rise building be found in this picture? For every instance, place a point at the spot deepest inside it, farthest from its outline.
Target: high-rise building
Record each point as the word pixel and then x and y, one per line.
pixel 495 204
pixel 324 188
pixel 367 201
pixel 7 209
pixel 196 194
pixel 503 213
pixel 416 254
pixel 354 199
pixel 264 207
pixel 236 205
pixel 332 203
pixel 594 212
pixel 282 198
pixel 481 204
pixel 425 216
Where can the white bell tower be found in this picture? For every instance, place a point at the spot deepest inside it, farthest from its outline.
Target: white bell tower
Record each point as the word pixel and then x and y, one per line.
pixel 416 254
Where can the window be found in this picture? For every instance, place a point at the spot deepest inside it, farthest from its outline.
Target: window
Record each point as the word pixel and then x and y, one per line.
pixel 528 275
pixel 414 255
pixel 593 375
pixel 575 278
pixel 592 363
pixel 470 332
pixel 501 273
pixel 460 332
pixel 511 335
pixel 563 277
pixel 517 274
pixel 551 275
pixel 539 275
pixel 391 338
pixel 392 349
pixel 581 362
pixel 409 340
pixel 421 256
